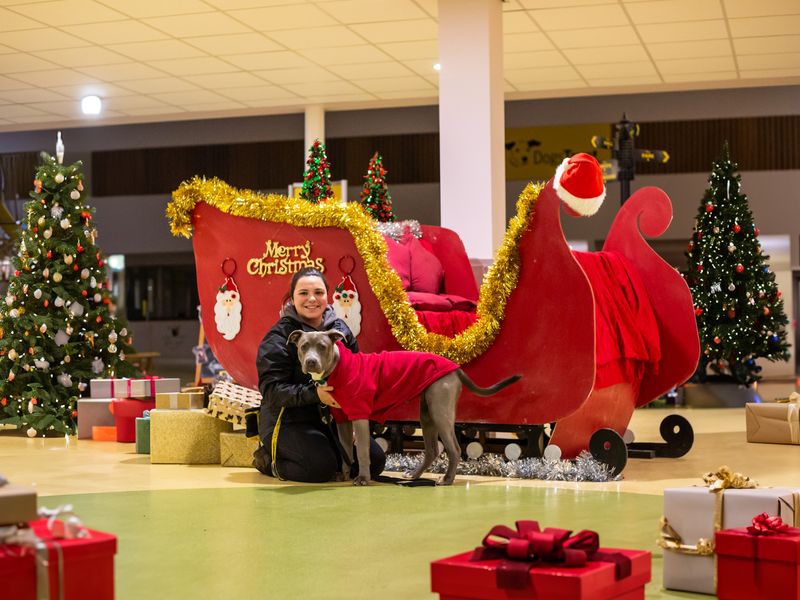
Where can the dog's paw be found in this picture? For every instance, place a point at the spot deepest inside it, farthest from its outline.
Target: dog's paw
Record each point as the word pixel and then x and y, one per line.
pixel 341 476
pixel 444 480
pixel 361 480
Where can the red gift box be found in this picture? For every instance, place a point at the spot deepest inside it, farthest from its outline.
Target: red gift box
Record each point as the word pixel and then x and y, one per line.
pixel 85 565
pixel 459 578
pixel 755 567
pixel 125 414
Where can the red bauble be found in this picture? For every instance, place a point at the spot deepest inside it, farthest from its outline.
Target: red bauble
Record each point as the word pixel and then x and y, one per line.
pixel 16 273
pixel 74 414
pixel 35 229
pixel 79 248
pixel 731 314
pixel 75 267
pixel 691 245
pixel 717 340
pixel 46 303
pixel 766 310
pixel 757 231
pixel 737 228
pixel 778 294
pixel 709 207
pixel 739 268
pixel 700 268
pixel 106 301
pixel 84 293
pixel 99 319
pixel 49 254
pixel 698 311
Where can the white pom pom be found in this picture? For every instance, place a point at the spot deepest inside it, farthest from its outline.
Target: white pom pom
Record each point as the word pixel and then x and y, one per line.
pixel 474 450
pixel 552 452
pixel 513 451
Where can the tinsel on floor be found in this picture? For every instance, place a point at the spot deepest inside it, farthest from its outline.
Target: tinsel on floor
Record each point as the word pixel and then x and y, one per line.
pixel 583 468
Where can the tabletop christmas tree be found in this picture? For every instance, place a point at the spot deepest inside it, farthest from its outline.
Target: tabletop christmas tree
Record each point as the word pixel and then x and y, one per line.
pixel 317 178
pixel 375 195
pixel 740 315
pixel 57 328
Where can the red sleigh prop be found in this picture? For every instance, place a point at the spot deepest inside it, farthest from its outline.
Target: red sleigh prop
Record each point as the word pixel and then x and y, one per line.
pixel 547 333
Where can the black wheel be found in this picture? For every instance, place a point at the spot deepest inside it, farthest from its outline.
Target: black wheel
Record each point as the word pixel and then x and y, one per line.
pixel 679 435
pixel 608 447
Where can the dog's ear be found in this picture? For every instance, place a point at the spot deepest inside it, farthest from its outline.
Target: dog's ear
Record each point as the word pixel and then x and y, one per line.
pixel 335 335
pixel 294 336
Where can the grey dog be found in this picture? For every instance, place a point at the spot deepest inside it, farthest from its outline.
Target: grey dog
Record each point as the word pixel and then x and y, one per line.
pixel 319 356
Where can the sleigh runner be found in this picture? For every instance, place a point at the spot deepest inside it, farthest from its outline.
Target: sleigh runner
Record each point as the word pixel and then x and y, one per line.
pixel 535 314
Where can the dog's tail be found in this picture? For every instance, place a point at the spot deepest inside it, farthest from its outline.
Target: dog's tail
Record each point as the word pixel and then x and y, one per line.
pixel 488 391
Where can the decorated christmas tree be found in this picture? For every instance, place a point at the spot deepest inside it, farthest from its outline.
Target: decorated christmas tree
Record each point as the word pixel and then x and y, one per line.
pixel 739 309
pixel 375 196
pixel 57 328
pixel 317 178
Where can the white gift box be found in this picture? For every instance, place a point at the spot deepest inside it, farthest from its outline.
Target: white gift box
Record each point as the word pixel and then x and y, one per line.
pixel 91 412
pixel 690 511
pixel 109 388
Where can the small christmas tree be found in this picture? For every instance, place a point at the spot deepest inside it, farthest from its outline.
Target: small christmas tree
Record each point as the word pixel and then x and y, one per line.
pixel 317 178
pixel 739 309
pixel 375 196
pixel 57 330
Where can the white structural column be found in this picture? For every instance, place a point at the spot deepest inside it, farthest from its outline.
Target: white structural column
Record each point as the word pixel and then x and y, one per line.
pixel 314 126
pixel 472 122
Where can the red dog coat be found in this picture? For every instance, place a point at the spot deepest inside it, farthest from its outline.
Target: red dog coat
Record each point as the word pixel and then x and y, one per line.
pixel 367 385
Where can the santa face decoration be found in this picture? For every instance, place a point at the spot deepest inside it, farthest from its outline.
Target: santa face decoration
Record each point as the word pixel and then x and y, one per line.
pixel 346 304
pixel 228 313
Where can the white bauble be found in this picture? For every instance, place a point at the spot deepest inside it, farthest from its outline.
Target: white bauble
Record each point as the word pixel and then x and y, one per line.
pixel 69 329
pixel 13 313
pixel 31 432
pixel 97 297
pixel 30 407
pixel 122 356
pixel 82 386
pixel 59 178
pixel 112 337
pixel 38 293
pixel 65 379
pixel 112 348
pixel 9 300
pixel 67 358
pixel 93 282
pixel 75 194
pixel 85 274
pixel 76 308
pixel 41 364
pixel 57 277
pixel 98 366
pixel 47 233
pixel 123 332
pixel 59 301
pixel 65 224
pixel 61 337
pixel 43 328
pixel 68 259
pixel 12 354
pixel 46 273
pixel 56 211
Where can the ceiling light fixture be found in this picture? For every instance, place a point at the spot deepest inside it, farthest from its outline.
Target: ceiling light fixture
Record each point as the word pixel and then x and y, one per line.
pixel 91 105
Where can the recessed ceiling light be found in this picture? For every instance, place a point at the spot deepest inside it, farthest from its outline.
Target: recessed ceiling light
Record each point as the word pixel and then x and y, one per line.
pixel 437 67
pixel 91 105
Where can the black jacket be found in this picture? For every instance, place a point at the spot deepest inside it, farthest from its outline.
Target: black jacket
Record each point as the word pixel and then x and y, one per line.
pixel 281 380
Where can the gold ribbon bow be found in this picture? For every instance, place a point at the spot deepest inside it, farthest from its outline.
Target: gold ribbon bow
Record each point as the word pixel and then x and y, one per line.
pixel 671 540
pixel 723 479
pixel 794 398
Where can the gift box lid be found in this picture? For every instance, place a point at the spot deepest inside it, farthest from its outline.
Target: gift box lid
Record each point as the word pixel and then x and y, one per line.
pixel 460 577
pixel 783 547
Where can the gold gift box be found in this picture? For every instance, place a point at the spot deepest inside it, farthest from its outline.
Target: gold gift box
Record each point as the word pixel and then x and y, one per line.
pixel 773 422
pixel 186 437
pixel 179 400
pixel 236 450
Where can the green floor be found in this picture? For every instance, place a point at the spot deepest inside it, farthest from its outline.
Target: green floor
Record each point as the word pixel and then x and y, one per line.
pixel 334 541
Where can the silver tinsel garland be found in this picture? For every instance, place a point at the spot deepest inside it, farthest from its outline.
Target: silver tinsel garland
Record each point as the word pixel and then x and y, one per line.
pixel 583 468
pixel 397 230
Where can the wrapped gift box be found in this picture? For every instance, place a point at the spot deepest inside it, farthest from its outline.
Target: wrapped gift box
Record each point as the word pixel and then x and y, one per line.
pixel 230 402
pixel 763 567
pixel 91 412
pixel 236 449
pixel 143 433
pixel 772 422
pixel 187 437
pixel 17 504
pixel 125 414
pixel 179 400
pixel 152 386
pixel 104 433
pixel 109 388
pixel 690 511
pixel 459 578
pixel 87 571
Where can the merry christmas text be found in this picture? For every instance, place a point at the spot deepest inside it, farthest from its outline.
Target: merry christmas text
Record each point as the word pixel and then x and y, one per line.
pixel 283 260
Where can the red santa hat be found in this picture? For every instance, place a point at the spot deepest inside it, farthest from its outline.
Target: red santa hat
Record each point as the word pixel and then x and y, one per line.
pixel 347 285
pixel 579 184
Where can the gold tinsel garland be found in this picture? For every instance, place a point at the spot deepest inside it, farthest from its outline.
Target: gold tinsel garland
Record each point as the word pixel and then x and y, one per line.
pixel 499 282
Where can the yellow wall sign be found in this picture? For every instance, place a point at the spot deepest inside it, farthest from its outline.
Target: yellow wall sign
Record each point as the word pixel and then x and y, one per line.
pixel 339 189
pixel 534 153
pixel 283 260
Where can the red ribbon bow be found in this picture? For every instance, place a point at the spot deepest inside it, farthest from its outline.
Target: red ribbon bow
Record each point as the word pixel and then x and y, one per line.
pixel 529 546
pixel 763 524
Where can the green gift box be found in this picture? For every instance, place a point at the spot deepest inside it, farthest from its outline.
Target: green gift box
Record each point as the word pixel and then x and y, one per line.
pixel 143 433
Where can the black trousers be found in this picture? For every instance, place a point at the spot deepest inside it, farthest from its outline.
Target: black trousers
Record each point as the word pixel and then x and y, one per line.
pixel 310 453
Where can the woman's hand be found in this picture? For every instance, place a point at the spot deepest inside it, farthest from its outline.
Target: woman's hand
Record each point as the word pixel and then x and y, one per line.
pixel 324 393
